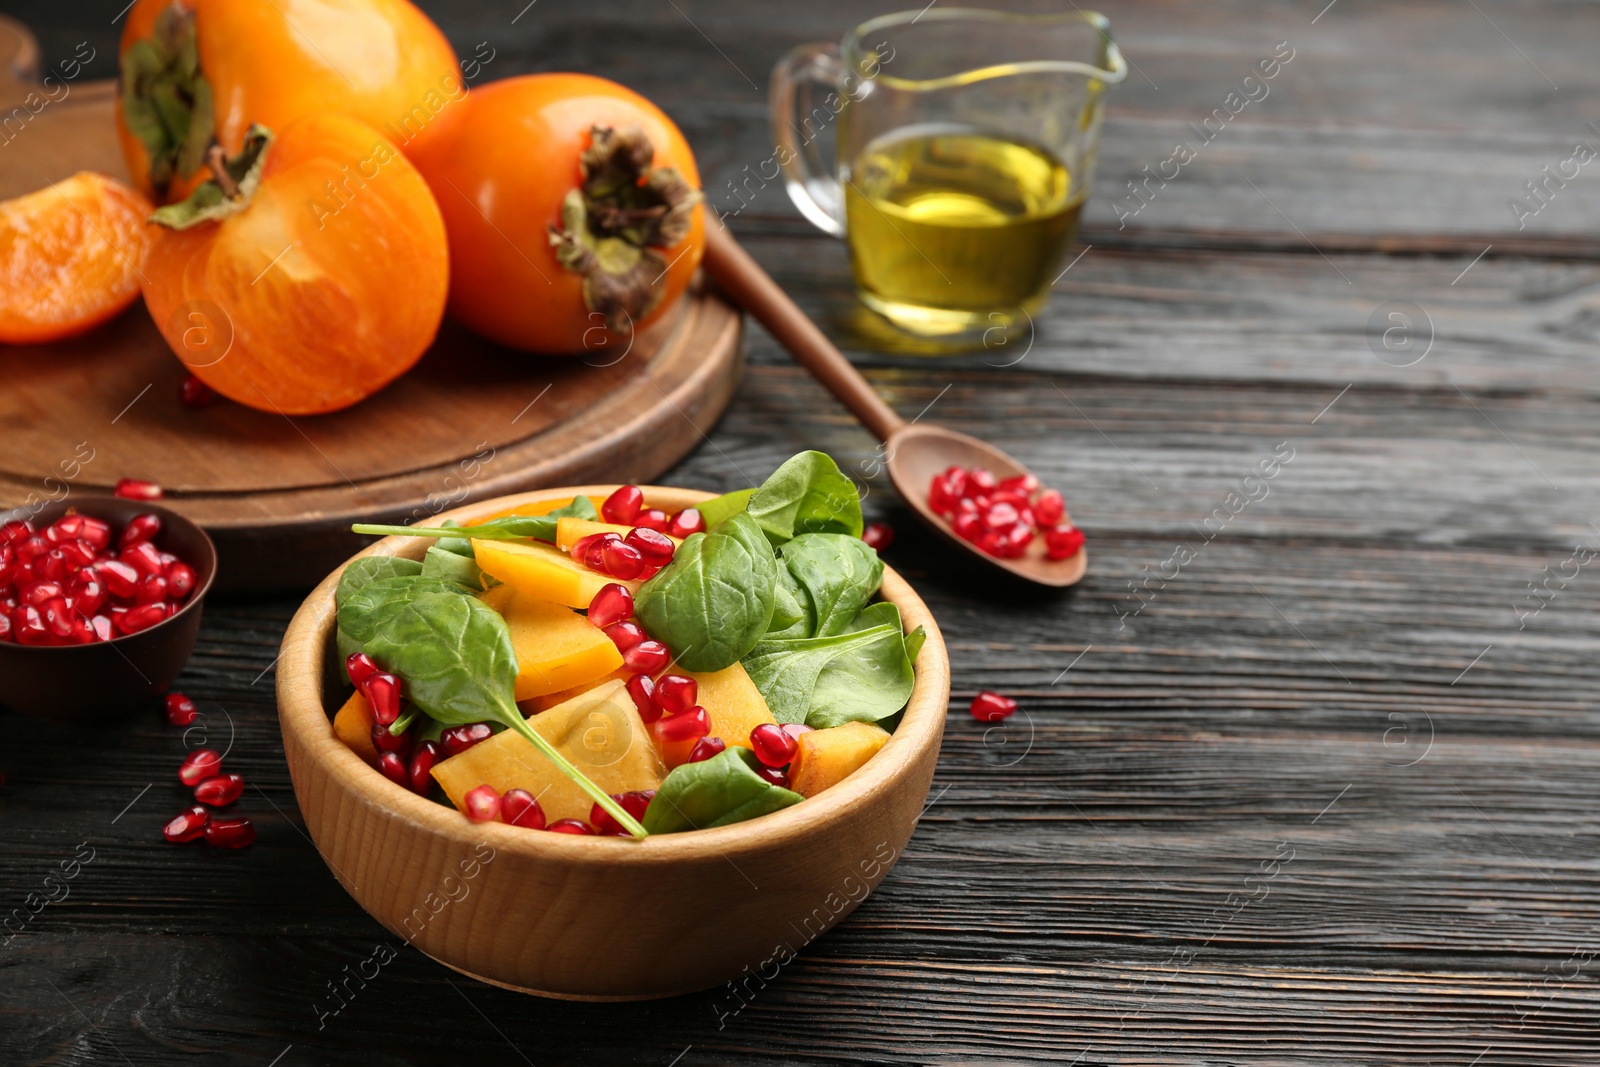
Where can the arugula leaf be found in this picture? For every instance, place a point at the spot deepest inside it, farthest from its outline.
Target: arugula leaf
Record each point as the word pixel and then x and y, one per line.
pixel 807 494
pixel 720 791
pixel 714 601
pixel 721 508
pixel 509 528
pixel 862 674
pixel 839 574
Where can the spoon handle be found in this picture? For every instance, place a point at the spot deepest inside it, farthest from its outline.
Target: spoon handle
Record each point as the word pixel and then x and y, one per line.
pixel 754 290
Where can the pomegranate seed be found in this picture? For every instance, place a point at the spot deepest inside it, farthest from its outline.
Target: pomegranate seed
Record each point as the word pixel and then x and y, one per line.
pixel 5 625
pixel 199 765
pixel 647 657
pixel 1000 516
pixel 180 710
pixel 393 767
pixel 142 617
pixel 653 546
pixel 968 526
pixel 38 594
pixel 86 594
pixel 483 803
pixel 686 522
pixel 56 565
pixel 423 758
pixel 194 393
pixel 1048 509
pixel 622 506
pixel 31 548
pixel 642 690
pixel 612 604
pixel 705 748
pixel 1016 500
pixel 151 589
pixel 121 579
pixel 653 519
pixel 878 536
pixel 82 632
pixel 382 691
pixel 1062 542
pixel 580 548
pixel 521 808
pixel 1025 484
pixel 143 557
pixel 97 532
pixel 181 581
pixel 102 627
pixel 458 739
pixel 64 529
pixel 8 563
pixel 15 530
pixel 625 634
pixel 775 776
pixel 795 729
pixel 676 693
pixel 399 744
pixel 79 552
pixel 571 826
pixel 190 826
pixel 28 628
pixel 134 489
pixel 683 726
pixel 146 527
pixel 594 557
pixel 989 706
pixel 359 667
pixel 622 560
pixel 981 480
pixel 634 803
pixel 230 833
pixel 220 790
pixel 771 745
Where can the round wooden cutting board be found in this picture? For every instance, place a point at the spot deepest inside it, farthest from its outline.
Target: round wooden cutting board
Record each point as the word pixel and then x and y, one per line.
pixel 472 420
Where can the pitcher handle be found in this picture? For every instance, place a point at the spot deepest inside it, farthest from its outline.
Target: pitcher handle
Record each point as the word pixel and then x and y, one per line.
pixel 813 189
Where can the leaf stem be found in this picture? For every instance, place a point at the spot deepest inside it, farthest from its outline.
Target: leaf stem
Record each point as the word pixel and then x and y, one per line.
pixel 604 799
pixel 403 723
pixel 482 533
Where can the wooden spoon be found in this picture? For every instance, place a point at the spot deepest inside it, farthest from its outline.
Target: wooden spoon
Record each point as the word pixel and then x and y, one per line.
pixel 914 451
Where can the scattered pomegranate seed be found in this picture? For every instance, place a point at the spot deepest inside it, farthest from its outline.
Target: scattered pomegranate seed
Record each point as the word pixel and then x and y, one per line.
pixel 683 726
pixel 676 693
pixel 220 790
pixel 392 766
pixel 483 803
pixel 1062 542
pixel 230 833
pixel 653 519
pixel 399 744
pixel 642 690
pixel 686 522
pixel 612 604
pixel 774 775
pixel 521 808
pixel 623 506
pixel 199 765
pixel 571 826
pixel 142 617
pixel 772 746
pixel 133 489
pixel 458 739
pixel 621 560
pixel 190 826
pixel 634 803
pixel 194 393
pixel 382 691
pixel 180 710
pixel 423 758
pixel 707 747
pixel 989 706
pixel 625 634
pixel 878 535
pixel 653 547
pixel 647 657
pixel 359 667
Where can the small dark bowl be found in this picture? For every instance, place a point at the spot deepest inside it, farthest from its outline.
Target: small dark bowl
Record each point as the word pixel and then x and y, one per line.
pixel 108 678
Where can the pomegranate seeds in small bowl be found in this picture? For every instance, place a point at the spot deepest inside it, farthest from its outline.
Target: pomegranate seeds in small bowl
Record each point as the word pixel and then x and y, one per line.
pixel 100 601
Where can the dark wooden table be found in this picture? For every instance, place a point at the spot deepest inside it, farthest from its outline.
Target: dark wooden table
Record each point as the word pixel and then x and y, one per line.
pixel 1325 791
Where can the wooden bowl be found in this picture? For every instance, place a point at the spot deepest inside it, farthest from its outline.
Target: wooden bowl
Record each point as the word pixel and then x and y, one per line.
pixel 594 918
pixel 89 683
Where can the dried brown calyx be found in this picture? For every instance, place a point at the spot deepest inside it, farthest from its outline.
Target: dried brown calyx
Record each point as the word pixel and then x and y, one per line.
pixel 615 225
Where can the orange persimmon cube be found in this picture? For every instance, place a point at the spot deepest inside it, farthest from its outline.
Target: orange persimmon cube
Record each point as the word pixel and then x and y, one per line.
pixel 543 572
pixel 733 704
pixel 827 757
pixel 535 705
pixel 353 726
pixel 556 647
pixel 570 531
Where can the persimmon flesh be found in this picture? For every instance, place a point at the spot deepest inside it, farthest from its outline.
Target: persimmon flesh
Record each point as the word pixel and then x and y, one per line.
pixel 322 280
pixel 70 257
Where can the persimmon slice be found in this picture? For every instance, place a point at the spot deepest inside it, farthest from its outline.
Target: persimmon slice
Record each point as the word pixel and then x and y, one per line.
pixel 71 256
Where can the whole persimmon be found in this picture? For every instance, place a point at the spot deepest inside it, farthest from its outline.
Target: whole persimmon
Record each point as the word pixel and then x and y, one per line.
pixel 201 72
pixel 307 274
pixel 573 209
pixel 70 257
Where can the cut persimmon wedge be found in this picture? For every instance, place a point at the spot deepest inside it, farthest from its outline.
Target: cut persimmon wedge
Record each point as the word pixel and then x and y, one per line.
pixel 71 256
pixel 543 572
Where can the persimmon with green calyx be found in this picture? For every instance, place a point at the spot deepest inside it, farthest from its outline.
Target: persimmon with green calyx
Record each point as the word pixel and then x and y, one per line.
pixel 200 72
pixel 573 208
pixel 307 274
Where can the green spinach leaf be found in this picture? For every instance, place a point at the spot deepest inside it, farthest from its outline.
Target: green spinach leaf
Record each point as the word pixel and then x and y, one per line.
pixel 861 674
pixel 721 508
pixel 368 608
pixel 368 569
pixel 807 494
pixel 720 791
pixel 714 601
pixel 839 573
pixel 447 563
pixel 791 608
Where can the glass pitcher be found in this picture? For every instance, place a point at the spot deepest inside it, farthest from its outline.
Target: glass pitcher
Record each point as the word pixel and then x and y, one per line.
pixel 965 145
